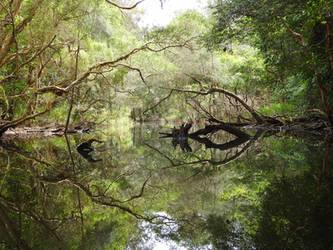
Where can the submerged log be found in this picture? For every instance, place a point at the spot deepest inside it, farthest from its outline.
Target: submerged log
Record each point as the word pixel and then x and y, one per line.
pixel 222 126
pixel 180 136
pixel 85 148
pixel 183 131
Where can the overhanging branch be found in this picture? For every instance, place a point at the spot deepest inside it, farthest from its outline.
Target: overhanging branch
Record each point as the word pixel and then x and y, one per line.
pixel 227 93
pixel 148 46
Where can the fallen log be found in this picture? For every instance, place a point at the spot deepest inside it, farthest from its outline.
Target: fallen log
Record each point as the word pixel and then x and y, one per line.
pixel 183 131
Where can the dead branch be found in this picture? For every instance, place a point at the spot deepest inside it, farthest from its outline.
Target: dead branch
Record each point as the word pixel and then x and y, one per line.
pixel 211 117
pixel 223 126
pixel 111 203
pixel 229 145
pixel 141 192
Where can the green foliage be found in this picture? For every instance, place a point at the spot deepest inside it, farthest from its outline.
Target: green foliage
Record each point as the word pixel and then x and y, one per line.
pixel 279 108
pixel 226 233
pixel 269 26
pixel 51 195
pixel 292 225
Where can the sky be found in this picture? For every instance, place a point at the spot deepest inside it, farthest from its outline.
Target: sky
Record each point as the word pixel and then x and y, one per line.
pixel 154 15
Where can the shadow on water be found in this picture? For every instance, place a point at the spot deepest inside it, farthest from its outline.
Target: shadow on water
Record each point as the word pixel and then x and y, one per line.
pixel 220 189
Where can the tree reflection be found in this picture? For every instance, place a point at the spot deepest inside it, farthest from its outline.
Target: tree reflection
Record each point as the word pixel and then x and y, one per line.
pixel 270 193
pixel 297 213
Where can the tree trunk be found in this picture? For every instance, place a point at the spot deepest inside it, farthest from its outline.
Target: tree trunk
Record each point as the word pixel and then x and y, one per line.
pixel 329 36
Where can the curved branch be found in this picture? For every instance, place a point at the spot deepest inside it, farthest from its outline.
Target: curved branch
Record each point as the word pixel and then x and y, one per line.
pixel 227 93
pixel 124 8
pixel 56 88
pixel 133 68
pixel 141 192
pixel 11 124
pixel 158 103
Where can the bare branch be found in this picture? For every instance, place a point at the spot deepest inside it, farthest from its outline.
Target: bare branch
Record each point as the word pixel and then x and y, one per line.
pixel 111 203
pixel 158 103
pixel 124 8
pixel 228 93
pixel 92 69
pixel 29 60
pixel 133 68
pixel 140 194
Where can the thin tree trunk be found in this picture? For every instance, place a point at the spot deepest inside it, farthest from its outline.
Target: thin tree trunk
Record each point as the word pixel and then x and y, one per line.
pixel 72 96
pixel 322 89
pixel 329 36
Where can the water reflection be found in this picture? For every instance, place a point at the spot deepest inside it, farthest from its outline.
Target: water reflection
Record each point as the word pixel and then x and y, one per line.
pixel 266 192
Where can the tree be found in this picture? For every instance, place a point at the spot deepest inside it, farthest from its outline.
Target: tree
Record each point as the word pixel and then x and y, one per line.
pixel 44 59
pixel 294 37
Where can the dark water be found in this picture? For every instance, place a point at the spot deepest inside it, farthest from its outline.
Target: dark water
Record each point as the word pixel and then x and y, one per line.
pixel 136 191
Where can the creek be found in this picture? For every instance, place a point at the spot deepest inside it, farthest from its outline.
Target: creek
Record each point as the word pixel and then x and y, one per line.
pixel 135 190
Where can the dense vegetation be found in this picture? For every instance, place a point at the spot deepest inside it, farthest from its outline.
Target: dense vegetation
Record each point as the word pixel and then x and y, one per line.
pixel 87 63
pixel 90 56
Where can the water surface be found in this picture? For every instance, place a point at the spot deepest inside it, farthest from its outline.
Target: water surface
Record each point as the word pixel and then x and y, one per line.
pixel 138 191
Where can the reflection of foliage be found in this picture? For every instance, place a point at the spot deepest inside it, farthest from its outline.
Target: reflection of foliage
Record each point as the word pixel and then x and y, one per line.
pixel 295 217
pixel 226 233
pixel 277 191
pixel 53 204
